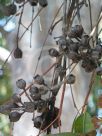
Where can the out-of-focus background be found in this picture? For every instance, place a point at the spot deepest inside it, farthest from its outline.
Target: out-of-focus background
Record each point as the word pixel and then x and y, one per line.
pixel 24 68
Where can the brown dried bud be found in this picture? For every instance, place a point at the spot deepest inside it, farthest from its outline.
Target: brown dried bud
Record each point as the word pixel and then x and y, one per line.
pixel 18 53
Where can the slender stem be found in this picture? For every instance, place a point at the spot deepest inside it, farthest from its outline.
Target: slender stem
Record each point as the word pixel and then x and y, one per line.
pixel 31 23
pixel 89 91
pixel 7 58
pixel 31 27
pixel 19 24
pixel 74 99
pixel 46 39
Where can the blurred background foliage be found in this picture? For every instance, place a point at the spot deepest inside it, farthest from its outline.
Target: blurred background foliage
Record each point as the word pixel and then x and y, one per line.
pixel 5 91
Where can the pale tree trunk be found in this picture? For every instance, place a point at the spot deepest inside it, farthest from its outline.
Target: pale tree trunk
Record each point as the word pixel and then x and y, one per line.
pixel 25 68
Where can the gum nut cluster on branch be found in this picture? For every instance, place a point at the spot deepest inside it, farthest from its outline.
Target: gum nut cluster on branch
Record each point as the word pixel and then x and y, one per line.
pixel 76 46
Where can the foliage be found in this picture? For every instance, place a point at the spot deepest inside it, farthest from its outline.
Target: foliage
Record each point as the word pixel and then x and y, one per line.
pixel 83 123
pixel 3 2
pixel 5 93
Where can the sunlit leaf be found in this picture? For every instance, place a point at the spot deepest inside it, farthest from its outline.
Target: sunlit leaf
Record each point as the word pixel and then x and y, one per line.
pixel 83 124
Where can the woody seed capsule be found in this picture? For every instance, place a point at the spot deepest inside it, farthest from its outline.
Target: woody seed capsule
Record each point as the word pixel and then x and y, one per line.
pixel 21 84
pixel 70 79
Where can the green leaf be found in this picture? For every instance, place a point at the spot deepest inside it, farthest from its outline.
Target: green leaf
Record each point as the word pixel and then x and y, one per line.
pixel 63 134
pixel 83 124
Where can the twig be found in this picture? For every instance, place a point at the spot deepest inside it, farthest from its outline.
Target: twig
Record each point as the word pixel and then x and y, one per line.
pixel 19 24
pixel 95 27
pixel 7 58
pixel 89 91
pixel 31 23
pixel 46 39
pixel 31 27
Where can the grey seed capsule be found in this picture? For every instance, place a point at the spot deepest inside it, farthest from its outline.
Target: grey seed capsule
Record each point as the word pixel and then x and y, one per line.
pixel 14 116
pixel 21 83
pixel 70 79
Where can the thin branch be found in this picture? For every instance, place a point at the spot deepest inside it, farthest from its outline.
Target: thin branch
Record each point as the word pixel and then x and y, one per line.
pixel 46 39
pixel 31 23
pixel 89 91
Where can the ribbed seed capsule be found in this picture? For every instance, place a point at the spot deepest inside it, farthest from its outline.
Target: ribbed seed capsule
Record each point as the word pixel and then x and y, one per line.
pixel 53 52
pixel 43 3
pixel 21 83
pixel 14 116
pixel 70 79
pixel 18 53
